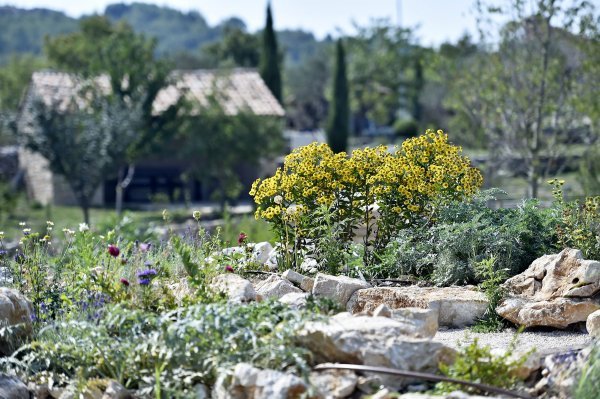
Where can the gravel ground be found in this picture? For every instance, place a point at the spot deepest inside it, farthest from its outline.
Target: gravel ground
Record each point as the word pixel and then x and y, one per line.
pixel 542 341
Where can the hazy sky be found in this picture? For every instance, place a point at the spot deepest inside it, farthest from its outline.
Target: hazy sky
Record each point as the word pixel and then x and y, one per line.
pixel 439 20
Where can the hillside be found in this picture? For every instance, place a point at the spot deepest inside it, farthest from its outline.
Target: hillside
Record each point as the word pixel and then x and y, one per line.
pixel 177 32
pixel 23 31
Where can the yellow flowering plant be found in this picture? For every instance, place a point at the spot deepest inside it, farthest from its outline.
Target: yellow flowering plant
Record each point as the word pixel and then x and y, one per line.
pixel 424 173
pixel 406 186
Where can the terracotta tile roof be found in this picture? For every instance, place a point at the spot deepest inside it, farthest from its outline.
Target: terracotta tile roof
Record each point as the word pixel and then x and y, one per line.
pixel 236 89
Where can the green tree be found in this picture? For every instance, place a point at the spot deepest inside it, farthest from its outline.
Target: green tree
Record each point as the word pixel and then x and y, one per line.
pixel 306 104
pixel 339 114
pixel 270 61
pixel 380 57
pixel 83 141
pixel 136 78
pixel 525 92
pixel 237 48
pixel 14 78
pixel 219 146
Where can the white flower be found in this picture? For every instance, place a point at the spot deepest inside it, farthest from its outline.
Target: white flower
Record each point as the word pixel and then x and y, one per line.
pixel 22 224
pixel 49 223
pixel 278 199
pixel 83 227
pixel 196 215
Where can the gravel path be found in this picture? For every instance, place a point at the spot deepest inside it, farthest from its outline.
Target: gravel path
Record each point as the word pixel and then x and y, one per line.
pixel 543 341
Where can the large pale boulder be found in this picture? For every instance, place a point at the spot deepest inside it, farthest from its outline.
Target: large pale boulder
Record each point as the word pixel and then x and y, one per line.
pixel 275 287
pixel 261 252
pixel 555 291
pixel 305 283
pixel 295 300
pixel 337 288
pixel 234 287
pixel 373 341
pixel 333 384
pixel 456 306
pixel 424 320
pixel 16 312
pixel 249 382
pixel 593 324
pixel 12 388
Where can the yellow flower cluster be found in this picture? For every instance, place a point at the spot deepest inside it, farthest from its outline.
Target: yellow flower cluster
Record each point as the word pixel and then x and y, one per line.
pixel 425 170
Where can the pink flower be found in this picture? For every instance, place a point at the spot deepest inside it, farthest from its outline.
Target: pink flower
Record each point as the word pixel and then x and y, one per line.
pixel 229 269
pixel 242 238
pixel 113 250
pixel 125 282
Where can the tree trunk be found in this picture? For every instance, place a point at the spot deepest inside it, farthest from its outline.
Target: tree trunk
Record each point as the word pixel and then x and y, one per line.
pixel 85 208
pixel 123 181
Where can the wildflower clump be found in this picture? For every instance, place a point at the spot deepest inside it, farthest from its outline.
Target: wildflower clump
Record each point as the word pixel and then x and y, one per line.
pixel 579 223
pixel 406 186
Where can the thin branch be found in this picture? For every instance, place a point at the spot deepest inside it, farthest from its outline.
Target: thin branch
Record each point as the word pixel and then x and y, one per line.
pixel 422 376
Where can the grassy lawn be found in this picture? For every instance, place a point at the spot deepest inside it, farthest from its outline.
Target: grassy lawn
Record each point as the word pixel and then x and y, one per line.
pixel 104 219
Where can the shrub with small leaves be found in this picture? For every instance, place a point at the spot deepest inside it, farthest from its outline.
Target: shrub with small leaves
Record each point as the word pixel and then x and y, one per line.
pixel 579 223
pixel 476 363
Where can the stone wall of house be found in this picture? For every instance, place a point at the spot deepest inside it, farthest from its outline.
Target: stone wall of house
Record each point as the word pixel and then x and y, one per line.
pixel 46 188
pixel 38 177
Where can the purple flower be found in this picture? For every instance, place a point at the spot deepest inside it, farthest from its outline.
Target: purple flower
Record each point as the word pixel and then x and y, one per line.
pixel 144 281
pixel 242 238
pixel 148 273
pixel 145 247
pixel 3 252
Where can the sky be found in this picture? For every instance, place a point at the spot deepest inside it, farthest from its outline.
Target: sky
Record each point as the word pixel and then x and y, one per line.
pixel 438 20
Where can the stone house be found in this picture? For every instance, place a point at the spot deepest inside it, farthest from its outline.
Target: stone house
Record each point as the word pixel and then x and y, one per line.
pixel 238 89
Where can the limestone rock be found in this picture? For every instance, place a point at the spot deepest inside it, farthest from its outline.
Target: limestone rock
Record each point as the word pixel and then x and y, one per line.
pixel 334 384
pixel 249 382
pixel 452 395
pixel 374 341
pixel 337 288
pixel 12 388
pixel 456 306
pixel 425 320
pixel 114 390
pixel 295 300
pixel 593 324
pixel 382 311
pixel 235 287
pixel 305 283
pixel 557 313
pixel 309 265
pixel 15 311
pixel 275 287
pixel 261 252
pixel 561 373
pixel 555 290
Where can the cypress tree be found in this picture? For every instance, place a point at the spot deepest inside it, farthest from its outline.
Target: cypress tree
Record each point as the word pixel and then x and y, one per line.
pixel 339 112
pixel 269 62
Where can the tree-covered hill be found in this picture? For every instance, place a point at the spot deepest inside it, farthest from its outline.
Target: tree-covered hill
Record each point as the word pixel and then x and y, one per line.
pixel 177 32
pixel 23 31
